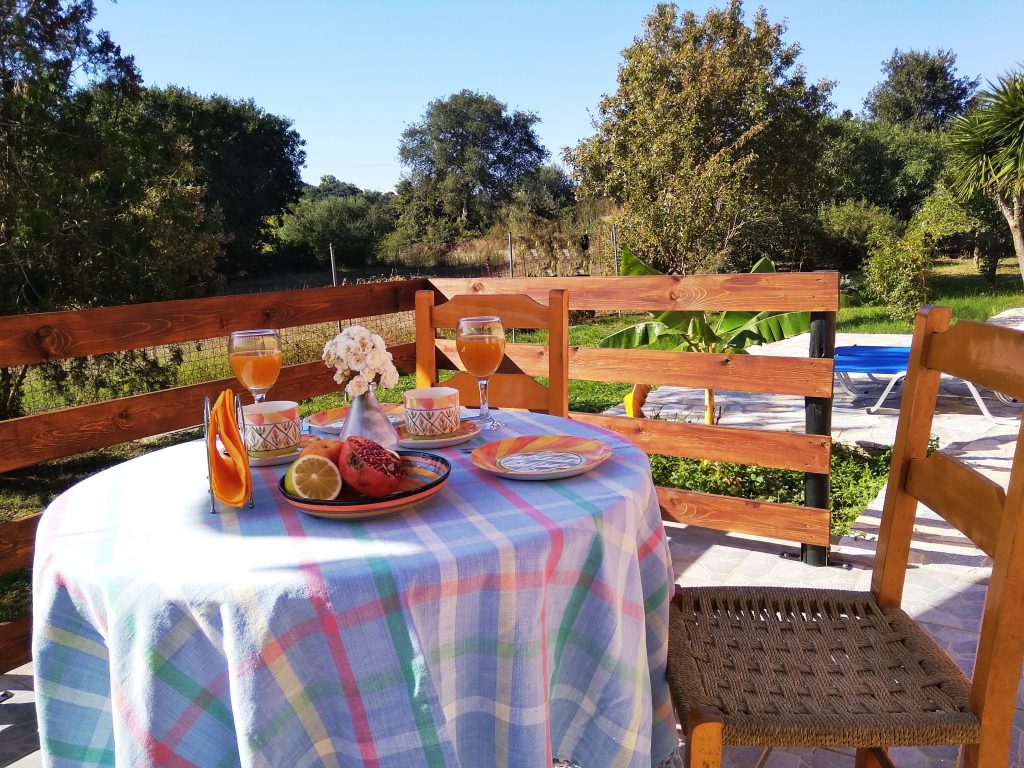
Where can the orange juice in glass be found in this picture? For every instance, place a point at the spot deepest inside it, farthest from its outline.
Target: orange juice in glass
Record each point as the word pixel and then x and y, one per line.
pixel 255 358
pixel 481 354
pixel 480 342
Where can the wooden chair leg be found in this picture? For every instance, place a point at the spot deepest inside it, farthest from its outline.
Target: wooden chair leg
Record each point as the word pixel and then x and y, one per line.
pixel 704 726
pixel 873 757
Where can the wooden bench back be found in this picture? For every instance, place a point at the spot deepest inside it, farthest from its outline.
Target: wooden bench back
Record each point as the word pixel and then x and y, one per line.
pixel 991 517
pixel 511 390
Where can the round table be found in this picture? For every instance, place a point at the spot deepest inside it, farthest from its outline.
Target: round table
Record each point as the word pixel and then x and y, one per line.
pixel 498 623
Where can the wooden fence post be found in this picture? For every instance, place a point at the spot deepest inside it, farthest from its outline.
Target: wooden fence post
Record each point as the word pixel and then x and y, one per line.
pixel 818 421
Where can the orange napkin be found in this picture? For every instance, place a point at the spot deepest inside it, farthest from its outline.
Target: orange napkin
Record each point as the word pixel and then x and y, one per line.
pixel 230 477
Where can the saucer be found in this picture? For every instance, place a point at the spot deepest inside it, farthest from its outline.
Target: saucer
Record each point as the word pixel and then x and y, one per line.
pixel 333 419
pixel 273 461
pixel 467 431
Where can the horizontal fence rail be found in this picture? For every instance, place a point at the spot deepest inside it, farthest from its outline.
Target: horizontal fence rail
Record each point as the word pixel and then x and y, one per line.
pixel 48 337
pixel 790 522
pixel 774 291
pixel 805 376
pixel 45 337
pixel 34 439
pixel 17 543
pixel 737 445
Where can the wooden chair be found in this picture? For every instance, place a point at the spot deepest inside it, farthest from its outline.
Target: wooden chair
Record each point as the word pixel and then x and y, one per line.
pixel 510 390
pixel 827 668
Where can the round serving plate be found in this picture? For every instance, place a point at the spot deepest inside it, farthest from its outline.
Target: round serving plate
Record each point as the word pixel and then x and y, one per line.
pixel 540 457
pixel 426 474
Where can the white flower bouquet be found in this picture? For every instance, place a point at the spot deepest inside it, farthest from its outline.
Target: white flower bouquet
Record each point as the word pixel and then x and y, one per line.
pixel 359 359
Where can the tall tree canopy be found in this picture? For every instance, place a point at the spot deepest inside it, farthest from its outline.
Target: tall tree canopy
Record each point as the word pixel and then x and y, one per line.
pixel 987 153
pixel 920 89
pixel 330 186
pixel 249 160
pixel 546 192
pixel 99 201
pixel 99 204
pixel 886 164
pixel 710 141
pixel 464 158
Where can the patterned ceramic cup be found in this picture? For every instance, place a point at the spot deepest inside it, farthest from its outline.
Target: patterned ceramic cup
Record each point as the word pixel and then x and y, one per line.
pixel 272 428
pixel 431 411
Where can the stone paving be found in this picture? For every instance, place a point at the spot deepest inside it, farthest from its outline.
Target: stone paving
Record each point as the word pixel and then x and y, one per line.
pixel 945 584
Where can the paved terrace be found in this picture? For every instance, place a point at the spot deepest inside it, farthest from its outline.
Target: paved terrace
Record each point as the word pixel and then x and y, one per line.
pixel 945 586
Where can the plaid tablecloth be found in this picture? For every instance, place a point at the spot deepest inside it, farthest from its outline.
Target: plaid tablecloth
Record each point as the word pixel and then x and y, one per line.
pixel 500 623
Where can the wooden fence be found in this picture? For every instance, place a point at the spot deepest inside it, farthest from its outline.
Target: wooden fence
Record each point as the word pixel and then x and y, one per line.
pixel 28 339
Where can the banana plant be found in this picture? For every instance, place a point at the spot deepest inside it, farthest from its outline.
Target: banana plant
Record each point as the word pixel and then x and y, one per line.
pixel 729 333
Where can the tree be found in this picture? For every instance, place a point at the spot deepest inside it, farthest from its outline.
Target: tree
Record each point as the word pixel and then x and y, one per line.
pixel 330 186
pixel 545 192
pixel 949 226
pixel 853 226
pixel 711 135
pixel 920 89
pixel 987 153
pixel 353 224
pixel 99 203
pixel 890 165
pixel 464 158
pixel 248 159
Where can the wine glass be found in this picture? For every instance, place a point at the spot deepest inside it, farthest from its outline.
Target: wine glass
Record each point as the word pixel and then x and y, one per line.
pixel 480 342
pixel 255 357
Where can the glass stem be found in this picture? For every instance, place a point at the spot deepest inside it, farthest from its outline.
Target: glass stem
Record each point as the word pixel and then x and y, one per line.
pixel 485 412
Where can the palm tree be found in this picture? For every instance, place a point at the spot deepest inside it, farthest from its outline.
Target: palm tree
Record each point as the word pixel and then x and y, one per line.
pixel 987 153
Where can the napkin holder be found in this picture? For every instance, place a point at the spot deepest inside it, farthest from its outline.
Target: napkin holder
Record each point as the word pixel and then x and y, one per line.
pixel 240 418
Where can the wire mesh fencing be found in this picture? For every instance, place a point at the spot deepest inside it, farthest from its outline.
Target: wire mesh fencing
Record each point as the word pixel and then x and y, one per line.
pixel 80 381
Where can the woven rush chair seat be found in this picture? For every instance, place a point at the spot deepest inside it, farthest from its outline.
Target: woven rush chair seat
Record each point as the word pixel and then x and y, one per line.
pixel 814 668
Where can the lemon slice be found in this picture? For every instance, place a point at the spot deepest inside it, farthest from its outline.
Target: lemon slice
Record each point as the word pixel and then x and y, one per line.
pixel 313 477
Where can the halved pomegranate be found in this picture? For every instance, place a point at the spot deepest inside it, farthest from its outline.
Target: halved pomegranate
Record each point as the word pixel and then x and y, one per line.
pixel 369 468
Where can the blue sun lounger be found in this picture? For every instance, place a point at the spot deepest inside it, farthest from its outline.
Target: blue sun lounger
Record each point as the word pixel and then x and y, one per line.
pixel 882 361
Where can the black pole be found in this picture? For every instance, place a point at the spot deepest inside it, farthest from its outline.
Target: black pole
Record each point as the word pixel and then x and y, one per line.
pixel 818 421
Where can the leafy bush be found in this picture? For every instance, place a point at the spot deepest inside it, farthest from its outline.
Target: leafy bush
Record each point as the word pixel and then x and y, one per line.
pixel 15 595
pixel 353 224
pixel 84 380
pixel 853 226
pixel 856 478
pixel 896 275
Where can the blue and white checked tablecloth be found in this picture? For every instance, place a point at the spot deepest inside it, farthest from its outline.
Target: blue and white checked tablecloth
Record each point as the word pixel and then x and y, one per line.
pixel 499 623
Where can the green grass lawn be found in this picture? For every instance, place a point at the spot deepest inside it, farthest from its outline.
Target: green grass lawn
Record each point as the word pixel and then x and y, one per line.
pixel 953 283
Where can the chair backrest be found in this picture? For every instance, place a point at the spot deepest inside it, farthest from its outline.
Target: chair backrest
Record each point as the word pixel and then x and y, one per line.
pixel 991 517
pixel 507 388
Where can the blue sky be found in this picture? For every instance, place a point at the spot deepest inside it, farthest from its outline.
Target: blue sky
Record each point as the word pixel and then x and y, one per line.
pixel 352 75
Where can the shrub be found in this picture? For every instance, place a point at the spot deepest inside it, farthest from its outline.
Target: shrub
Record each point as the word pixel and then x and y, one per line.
pixel 856 478
pixel 896 275
pixel 852 227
